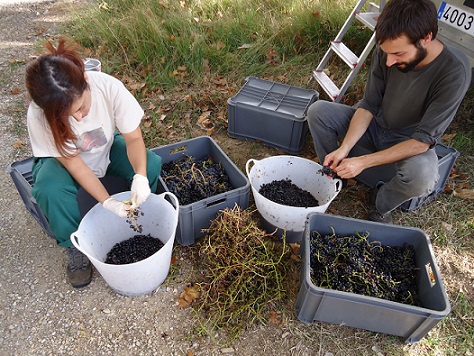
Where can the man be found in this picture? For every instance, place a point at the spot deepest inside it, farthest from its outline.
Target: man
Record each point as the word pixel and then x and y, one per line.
pixel 414 88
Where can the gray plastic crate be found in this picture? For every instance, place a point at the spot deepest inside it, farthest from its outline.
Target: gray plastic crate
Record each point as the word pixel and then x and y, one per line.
pixel 22 177
pixel 272 113
pixel 447 157
pixel 374 314
pixel 197 216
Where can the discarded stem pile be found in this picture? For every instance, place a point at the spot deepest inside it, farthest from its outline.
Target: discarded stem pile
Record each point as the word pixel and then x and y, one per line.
pixel 354 264
pixel 244 274
pixel 192 180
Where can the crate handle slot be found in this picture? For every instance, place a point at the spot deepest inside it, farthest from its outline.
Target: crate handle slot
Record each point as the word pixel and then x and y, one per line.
pixel 178 149
pixel 215 202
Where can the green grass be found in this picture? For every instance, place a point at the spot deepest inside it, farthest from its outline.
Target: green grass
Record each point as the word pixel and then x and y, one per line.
pixel 179 49
pixel 234 38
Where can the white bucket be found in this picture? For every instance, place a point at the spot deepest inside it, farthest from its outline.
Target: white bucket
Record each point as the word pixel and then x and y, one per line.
pixel 92 64
pixel 302 172
pixel 100 230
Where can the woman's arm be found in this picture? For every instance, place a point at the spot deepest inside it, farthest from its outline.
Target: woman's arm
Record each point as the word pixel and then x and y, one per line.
pixel 136 151
pixel 85 177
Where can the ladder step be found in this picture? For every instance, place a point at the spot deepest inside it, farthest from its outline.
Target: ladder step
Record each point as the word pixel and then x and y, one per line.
pixel 326 83
pixel 369 19
pixel 345 53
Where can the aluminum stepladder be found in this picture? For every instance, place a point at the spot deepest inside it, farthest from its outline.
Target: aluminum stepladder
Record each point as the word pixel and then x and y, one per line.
pixel 369 19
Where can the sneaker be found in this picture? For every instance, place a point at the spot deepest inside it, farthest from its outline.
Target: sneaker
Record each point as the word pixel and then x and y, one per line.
pixel 374 215
pixel 79 269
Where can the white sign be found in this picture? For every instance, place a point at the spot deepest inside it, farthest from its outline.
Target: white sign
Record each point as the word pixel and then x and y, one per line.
pixel 456 17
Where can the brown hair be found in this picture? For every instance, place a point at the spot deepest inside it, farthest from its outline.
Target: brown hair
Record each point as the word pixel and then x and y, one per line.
pixel 55 81
pixel 412 18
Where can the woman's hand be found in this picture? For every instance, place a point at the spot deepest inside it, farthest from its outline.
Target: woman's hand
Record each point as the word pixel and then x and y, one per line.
pixel 140 189
pixel 118 207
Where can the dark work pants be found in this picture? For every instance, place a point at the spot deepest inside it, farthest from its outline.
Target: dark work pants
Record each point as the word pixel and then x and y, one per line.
pixel 414 177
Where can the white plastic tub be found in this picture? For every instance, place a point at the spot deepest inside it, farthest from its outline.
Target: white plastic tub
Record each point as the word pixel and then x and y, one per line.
pixel 302 172
pixel 100 230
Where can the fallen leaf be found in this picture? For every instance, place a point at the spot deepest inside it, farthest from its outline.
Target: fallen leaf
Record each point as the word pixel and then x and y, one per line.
pixel 147 121
pixel 18 144
pixel 15 91
pixel 245 46
pixel 448 137
pixel 174 259
pixel 276 318
pixel 210 131
pixel 187 297
pixel 295 251
pixel 464 193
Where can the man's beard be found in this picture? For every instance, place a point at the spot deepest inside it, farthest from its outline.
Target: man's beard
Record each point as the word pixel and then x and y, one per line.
pixel 421 54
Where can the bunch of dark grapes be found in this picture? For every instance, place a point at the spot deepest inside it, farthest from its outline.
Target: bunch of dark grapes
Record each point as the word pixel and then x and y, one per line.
pixel 327 171
pixel 354 264
pixel 192 180
pixel 286 193
pixel 133 250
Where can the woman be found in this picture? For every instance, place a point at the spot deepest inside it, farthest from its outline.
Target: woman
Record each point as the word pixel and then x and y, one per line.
pixel 72 123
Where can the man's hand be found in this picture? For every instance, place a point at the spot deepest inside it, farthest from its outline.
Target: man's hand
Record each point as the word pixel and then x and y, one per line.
pixel 350 167
pixel 140 189
pixel 118 207
pixel 334 158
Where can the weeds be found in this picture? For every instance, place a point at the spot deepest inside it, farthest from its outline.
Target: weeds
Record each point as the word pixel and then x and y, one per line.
pixel 245 270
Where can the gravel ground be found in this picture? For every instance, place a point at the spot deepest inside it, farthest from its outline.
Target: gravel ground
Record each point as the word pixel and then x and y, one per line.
pixel 41 314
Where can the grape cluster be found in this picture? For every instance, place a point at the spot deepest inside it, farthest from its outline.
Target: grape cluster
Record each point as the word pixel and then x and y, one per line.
pixel 286 193
pixel 133 250
pixel 327 171
pixel 192 180
pixel 354 264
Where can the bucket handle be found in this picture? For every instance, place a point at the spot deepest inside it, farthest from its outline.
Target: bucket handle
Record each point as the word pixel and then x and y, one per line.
pixel 247 165
pixel 337 184
pixel 75 242
pixel 173 199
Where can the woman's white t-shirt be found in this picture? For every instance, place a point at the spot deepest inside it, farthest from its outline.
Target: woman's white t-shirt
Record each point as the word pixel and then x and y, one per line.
pixel 112 107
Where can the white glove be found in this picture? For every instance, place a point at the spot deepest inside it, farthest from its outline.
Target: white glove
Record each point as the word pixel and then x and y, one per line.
pixel 118 207
pixel 140 189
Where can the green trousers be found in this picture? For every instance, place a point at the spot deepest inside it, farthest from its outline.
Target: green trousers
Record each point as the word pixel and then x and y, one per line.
pixel 56 191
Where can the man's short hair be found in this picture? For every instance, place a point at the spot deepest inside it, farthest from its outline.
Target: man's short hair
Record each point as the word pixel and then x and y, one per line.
pixel 412 18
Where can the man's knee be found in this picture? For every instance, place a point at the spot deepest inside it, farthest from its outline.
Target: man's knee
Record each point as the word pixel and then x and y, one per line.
pixel 420 173
pixel 317 110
